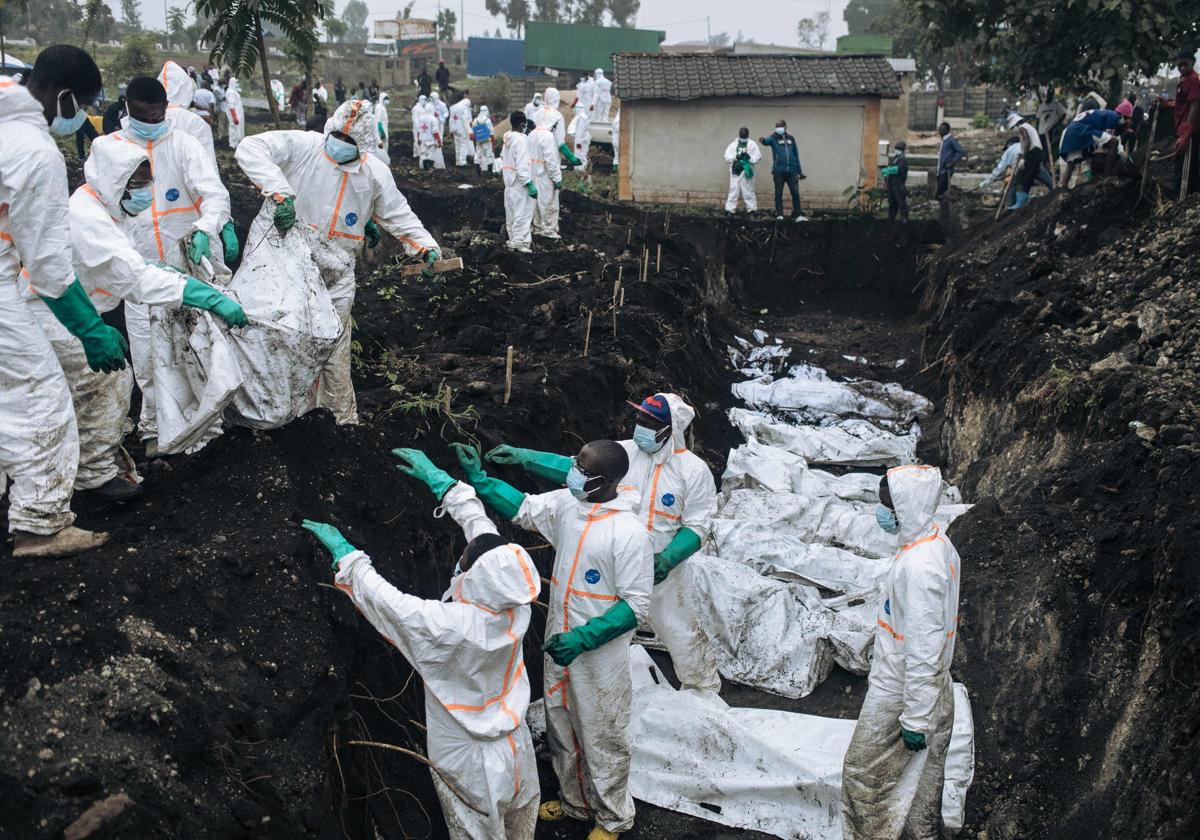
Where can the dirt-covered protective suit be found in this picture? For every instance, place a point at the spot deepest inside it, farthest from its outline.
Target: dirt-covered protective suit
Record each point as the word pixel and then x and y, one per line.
pixel 429 140
pixel 39 445
pixel 887 790
pixel 181 90
pixel 616 138
pixel 584 91
pixel 739 185
pixel 337 200
pixel 518 204
pixel 236 113
pixel 601 555
pixel 481 133
pixel 380 147
pixel 581 129
pixel 418 108
pixel 188 196
pixel 110 270
pixel 467 649
pixel 602 98
pixel 547 172
pixel 460 130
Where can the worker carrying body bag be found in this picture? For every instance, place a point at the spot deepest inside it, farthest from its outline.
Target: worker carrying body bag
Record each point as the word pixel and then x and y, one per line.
pixel 262 375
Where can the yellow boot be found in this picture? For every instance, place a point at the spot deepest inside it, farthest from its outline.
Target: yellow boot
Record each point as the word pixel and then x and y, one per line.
pixel 598 833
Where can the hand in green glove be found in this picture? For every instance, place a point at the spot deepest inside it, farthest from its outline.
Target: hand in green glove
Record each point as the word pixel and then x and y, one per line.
pixel 548 465
pixel 683 545
pixel 431 256
pixel 468 459
pixel 569 155
pixel 416 463
pixel 889 171
pixel 557 184
pixel 105 347
pixel 509 456
pixel 565 647
pixel 285 214
pixel 331 538
pixel 197 247
pixel 229 242
pixel 373 234
pixel 203 296
pixel 531 189
pixel 913 741
pixel 382 132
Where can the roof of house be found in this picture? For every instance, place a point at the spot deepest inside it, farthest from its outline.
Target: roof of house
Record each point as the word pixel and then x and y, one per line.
pixel 903 65
pixel 685 76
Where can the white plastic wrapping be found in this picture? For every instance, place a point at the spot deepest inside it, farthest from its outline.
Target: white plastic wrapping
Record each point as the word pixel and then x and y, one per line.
pixel 849 442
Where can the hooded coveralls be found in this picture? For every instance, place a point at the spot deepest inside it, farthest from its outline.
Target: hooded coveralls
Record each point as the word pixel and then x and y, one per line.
pixel 739 185
pixel 181 90
pixel 39 444
pixel 460 129
pixel 887 790
pixel 337 199
pixel 518 204
pixel 467 649
pixel 547 171
pixel 236 114
pixel 601 555
pixel 481 133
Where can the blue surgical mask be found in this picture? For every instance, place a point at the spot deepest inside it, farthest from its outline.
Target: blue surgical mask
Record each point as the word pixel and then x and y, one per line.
pixel 576 482
pixel 780 130
pixel 66 126
pixel 147 130
pixel 646 439
pixel 340 150
pixel 885 517
pixel 139 200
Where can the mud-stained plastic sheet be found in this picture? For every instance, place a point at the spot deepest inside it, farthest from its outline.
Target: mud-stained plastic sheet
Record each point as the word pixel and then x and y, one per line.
pixel 852 442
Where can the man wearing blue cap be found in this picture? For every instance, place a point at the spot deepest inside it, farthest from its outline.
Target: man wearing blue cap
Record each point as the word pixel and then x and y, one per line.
pixel 678 498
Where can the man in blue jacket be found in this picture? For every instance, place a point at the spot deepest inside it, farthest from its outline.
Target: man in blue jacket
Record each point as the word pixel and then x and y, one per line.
pixel 785 169
pixel 950 152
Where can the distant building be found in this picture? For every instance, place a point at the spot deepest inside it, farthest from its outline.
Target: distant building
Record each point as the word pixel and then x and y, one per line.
pixel 575 48
pixel 697 102
pixel 406 29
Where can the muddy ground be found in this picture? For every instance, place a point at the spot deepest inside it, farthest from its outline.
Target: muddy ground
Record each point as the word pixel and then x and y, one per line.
pixel 201 665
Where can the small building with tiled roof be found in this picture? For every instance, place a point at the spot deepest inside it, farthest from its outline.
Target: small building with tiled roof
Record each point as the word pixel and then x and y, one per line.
pixel 680 111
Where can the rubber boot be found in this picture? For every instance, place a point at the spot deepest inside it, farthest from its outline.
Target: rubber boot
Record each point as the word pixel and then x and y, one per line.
pixel 66 543
pixel 552 811
pixel 598 833
pixel 116 489
pixel 1019 200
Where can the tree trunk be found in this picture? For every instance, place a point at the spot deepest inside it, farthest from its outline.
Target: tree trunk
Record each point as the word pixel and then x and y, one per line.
pixel 262 62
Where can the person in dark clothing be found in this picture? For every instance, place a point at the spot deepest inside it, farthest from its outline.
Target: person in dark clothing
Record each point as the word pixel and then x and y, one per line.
pixel 339 91
pixel 373 90
pixel 1187 114
pixel 86 131
pixel 112 115
pixel 950 152
pixel 424 83
pixel 443 76
pixel 785 169
pixel 896 180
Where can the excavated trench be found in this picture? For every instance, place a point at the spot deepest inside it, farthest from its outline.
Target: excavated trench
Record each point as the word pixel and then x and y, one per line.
pixel 201 665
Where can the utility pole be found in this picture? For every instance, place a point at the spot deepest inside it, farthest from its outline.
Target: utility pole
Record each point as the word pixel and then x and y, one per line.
pixel 462 21
pixel 708 26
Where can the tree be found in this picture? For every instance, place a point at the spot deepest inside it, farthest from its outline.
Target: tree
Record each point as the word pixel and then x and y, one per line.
pixel 98 22
pixel 515 13
pixel 335 30
pixel 814 31
pixel 721 39
pixel 446 21
pixel 861 15
pixel 138 56
pixel 131 14
pixel 235 30
pixel 497 35
pixel 177 26
pixel 355 16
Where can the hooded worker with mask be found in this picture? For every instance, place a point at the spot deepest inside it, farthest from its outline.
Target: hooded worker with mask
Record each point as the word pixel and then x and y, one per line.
pixel 467 649
pixel 599 591
pixel 601 97
pixel 547 175
pixel 581 135
pixel 676 499
pixel 181 90
pixel 460 130
pixel 532 107
pixel 550 104
pixel 418 109
pixel 520 194
pixel 118 187
pixel 330 181
pixel 235 112
pixel 895 765
pixel 380 149
pixel 481 133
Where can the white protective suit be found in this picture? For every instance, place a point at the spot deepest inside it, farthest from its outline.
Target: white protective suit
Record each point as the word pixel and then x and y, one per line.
pixel 532 107
pixel 39 444
pixel 188 196
pixel 110 270
pixel 551 102
pixel 584 91
pixel 888 791
pixel 676 490
pixel 380 148
pixel 547 171
pixel 601 555
pixel 337 200
pixel 277 92
pixel 582 134
pixel 236 113
pixel 739 185
pixel 429 140
pixel 616 138
pixel 481 132
pixel 460 129
pixel 467 649
pixel 417 109
pixel 518 204
pixel 441 109
pixel 602 97
pixel 181 90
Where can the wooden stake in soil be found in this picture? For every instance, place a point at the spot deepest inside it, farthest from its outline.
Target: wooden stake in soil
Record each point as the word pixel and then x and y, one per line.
pixel 622 297
pixel 446 399
pixel 645 262
pixel 629 236
pixel 658 259
pixel 587 335
pixel 667 225
pixel 508 374
pixel 620 273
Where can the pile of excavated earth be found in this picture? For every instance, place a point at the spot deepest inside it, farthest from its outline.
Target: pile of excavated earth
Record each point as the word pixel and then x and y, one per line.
pixel 198 677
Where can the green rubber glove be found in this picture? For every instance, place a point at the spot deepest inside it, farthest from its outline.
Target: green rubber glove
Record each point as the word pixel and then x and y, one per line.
pixel 431 256
pixel 203 296
pixel 531 189
pixel 331 538
pixel 500 495
pixel 889 171
pixel 285 214
pixel 382 131
pixel 683 545
pixel 569 155
pixel 914 741
pixel 198 247
pixel 557 184
pixel 548 465
pixel 416 463
pixel 105 347
pixel 373 234
pixel 748 169
pixel 229 242
pixel 616 620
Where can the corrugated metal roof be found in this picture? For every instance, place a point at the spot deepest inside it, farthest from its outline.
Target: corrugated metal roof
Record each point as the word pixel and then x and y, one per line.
pixel 689 76
pixel 903 65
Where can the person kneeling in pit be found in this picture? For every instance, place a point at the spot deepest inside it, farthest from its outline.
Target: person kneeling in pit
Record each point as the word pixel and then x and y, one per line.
pixel 677 499
pixel 118 187
pixel 467 649
pixel 599 590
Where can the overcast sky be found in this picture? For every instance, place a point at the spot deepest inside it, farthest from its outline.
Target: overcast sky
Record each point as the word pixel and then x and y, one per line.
pixel 765 21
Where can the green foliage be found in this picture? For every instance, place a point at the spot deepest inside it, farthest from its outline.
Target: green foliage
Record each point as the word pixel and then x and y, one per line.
pixel 980 121
pixel 138 56
pixel 131 14
pixel 177 26
pixel 622 13
pixel 813 32
pixel 98 22
pixel 355 18
pixel 864 202
pixel 447 20
pixel 861 15
pixel 335 30
pixel 494 92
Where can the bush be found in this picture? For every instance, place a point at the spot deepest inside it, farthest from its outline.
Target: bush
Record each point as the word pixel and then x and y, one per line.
pixel 980 121
pixel 494 92
pixel 137 57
